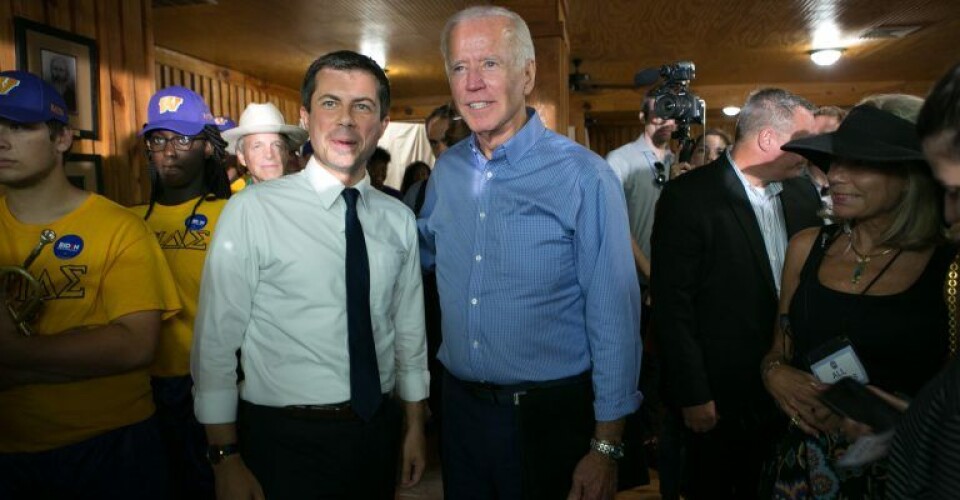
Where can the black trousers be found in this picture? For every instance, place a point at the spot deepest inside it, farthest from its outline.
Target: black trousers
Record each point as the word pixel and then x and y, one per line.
pixel 726 462
pixel 185 442
pixel 299 458
pixel 500 450
pixel 117 465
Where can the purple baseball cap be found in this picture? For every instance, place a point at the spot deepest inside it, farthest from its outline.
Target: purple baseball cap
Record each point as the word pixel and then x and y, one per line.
pixel 177 109
pixel 224 123
pixel 25 98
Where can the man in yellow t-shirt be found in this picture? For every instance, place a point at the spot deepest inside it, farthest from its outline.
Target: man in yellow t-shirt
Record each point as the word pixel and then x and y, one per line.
pixel 75 399
pixel 189 188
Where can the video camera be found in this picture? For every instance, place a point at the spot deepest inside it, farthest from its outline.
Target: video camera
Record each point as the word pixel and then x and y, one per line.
pixel 673 100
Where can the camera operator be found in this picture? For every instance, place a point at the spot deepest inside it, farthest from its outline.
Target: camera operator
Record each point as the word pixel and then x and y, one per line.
pixel 643 167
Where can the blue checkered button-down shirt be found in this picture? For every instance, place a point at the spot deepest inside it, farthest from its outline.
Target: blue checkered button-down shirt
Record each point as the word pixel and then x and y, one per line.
pixel 534 266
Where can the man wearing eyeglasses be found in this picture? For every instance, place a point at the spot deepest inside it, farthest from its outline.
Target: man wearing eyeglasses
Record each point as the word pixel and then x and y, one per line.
pixel 188 190
pixel 643 167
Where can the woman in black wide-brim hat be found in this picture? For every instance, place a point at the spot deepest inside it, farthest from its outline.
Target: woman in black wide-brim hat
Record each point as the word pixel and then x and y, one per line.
pixel 861 298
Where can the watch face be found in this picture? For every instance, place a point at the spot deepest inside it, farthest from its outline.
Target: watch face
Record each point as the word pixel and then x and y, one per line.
pixel 216 454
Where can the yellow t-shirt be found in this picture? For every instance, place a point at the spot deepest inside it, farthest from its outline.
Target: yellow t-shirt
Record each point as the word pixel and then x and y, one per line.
pixel 238 185
pixel 103 264
pixel 185 249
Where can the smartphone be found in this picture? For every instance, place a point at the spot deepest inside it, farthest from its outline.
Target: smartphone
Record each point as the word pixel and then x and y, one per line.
pixel 851 399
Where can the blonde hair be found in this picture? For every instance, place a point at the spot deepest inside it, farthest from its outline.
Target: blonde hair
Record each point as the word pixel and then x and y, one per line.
pixel 900 105
pixel 916 222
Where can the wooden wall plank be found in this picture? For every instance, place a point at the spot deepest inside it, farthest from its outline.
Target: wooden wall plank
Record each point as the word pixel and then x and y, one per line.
pixel 84 18
pixel 230 91
pixel 8 53
pixel 59 14
pixel 30 9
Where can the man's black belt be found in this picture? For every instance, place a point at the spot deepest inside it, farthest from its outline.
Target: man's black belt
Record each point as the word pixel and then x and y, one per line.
pixel 510 394
pixel 336 411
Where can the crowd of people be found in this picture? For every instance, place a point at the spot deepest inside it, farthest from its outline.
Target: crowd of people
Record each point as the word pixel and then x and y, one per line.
pixel 277 322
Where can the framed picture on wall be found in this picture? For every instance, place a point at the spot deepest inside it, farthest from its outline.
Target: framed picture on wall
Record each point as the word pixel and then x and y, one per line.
pixel 85 171
pixel 68 62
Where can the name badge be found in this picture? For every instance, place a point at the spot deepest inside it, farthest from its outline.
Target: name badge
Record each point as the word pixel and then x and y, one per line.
pixel 840 364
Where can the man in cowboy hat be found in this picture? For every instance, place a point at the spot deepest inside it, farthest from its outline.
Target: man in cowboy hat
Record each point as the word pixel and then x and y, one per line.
pixel 263 141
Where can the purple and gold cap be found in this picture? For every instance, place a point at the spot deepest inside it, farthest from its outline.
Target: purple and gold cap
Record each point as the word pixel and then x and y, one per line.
pixel 25 98
pixel 177 109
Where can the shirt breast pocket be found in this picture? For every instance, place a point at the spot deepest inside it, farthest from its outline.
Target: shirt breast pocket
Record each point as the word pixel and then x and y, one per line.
pixel 385 266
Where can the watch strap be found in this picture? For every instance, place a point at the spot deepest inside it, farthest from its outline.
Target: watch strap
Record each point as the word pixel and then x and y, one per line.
pixel 216 453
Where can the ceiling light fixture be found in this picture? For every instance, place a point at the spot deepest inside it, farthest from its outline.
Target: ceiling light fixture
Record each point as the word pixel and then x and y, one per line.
pixel 731 110
pixel 825 57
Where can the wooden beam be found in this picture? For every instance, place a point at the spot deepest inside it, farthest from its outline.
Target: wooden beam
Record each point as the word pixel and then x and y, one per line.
pixel 717 96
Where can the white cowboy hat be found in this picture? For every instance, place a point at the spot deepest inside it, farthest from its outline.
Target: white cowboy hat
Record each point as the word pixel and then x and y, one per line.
pixel 263 119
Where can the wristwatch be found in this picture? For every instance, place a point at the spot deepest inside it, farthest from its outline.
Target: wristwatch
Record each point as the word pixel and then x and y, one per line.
pixel 216 453
pixel 607 449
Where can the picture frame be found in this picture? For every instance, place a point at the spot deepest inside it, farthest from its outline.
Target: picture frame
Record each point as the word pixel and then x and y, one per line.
pixel 85 171
pixel 67 61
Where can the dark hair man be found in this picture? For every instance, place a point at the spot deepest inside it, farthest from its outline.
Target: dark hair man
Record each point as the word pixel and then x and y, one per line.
pixel 189 188
pixel 540 300
pixel 377 168
pixel 719 238
pixel 314 278
pixel 76 416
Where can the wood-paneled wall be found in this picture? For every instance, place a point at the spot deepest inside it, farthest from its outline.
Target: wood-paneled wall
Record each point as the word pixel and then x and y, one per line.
pixel 124 33
pixel 227 92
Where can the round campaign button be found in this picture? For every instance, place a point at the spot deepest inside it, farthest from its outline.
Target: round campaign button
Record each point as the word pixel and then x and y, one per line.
pixel 68 247
pixel 196 222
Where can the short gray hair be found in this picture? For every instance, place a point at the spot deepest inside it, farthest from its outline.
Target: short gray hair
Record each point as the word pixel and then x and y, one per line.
pixel 521 43
pixel 769 107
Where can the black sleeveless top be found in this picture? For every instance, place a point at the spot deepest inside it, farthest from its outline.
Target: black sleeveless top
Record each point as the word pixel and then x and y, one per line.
pixel 901 338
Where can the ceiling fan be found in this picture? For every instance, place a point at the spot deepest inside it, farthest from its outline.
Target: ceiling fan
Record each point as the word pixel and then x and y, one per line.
pixel 580 82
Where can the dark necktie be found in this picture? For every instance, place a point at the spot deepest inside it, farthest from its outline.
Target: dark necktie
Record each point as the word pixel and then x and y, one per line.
pixel 365 393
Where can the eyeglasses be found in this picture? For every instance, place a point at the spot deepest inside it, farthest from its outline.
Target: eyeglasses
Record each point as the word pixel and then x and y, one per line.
pixel 158 143
pixel 661 178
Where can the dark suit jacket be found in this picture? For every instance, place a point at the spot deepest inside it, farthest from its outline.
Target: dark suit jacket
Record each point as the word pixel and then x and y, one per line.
pixel 714 297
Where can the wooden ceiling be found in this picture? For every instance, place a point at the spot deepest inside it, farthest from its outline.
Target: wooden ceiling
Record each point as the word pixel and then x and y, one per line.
pixel 736 45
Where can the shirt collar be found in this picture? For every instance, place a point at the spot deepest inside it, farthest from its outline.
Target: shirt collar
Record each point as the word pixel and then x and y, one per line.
pixel 772 188
pixel 517 146
pixel 328 187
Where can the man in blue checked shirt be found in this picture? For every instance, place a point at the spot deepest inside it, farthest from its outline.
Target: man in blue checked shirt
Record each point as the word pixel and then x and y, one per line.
pixel 528 233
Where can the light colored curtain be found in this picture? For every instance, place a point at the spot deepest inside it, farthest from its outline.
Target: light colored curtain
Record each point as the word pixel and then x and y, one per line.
pixel 407 142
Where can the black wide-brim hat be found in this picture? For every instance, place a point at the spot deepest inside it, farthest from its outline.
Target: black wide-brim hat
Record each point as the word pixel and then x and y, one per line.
pixel 867 134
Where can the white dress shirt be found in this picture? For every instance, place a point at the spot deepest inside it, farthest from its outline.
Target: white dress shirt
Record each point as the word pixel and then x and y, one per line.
pixel 274 287
pixel 769 211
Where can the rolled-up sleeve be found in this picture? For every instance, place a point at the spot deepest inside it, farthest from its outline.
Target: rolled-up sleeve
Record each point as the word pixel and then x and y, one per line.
pixel 609 282
pixel 413 379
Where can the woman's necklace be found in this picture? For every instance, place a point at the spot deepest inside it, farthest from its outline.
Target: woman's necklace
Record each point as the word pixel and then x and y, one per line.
pixel 862 260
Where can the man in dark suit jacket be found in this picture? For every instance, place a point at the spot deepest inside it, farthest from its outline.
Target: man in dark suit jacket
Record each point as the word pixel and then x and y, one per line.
pixel 718 244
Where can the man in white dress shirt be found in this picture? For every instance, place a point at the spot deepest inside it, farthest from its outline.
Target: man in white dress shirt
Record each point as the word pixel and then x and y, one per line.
pixel 288 283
